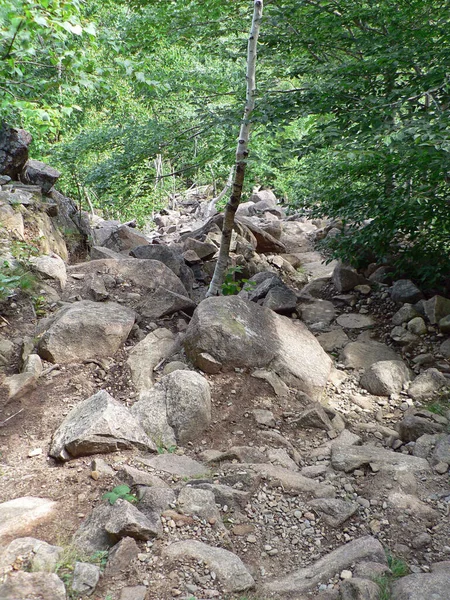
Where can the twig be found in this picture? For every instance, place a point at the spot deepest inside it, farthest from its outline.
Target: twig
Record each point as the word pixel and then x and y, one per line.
pixel 2 423
pixel 6 320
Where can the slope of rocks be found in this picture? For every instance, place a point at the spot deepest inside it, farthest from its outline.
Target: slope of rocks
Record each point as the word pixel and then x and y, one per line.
pixel 288 442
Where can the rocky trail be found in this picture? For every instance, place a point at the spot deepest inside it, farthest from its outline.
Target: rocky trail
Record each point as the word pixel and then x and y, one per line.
pixel 288 441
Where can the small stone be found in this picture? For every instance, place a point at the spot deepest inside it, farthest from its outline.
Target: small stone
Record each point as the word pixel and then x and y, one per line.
pixel 345 574
pixel 441 468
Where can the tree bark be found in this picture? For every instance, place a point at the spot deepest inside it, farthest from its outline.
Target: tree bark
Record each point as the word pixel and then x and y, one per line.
pixel 215 287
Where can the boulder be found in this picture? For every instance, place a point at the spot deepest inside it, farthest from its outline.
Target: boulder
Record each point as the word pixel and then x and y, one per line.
pixel 183 466
pixel 97 425
pixel 404 314
pixel 237 333
pixel 230 570
pixel 177 409
pixel 355 321
pixel 436 308
pixel 359 589
pixel 349 458
pixel 333 340
pixel 124 239
pixel 36 554
pixel 24 382
pixel 157 289
pixel 85 330
pixel 404 290
pixel 85 578
pixel 204 250
pixel 308 578
pixel 345 278
pixel 319 311
pixel 427 384
pixel 38 173
pixel 385 377
pixel 444 326
pixel 13 150
pixel 421 586
pixel 194 501
pixel 51 266
pixel 333 510
pixel 27 586
pixel 266 196
pixel 281 300
pixel 125 520
pixel 413 426
pixel 265 243
pixel 417 326
pixel 12 221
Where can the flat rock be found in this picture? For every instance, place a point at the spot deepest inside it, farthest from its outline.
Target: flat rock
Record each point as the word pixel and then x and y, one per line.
pixel 86 330
pixel 421 586
pixel 362 354
pixel 308 578
pixel 355 321
pixel 319 311
pixel 352 457
pixel 183 466
pixel 385 377
pixel 28 586
pixel 242 334
pixel 147 354
pixel 333 340
pixel 97 425
pixel 20 515
pixel 292 482
pixel 132 476
pixel 414 507
pixel 135 592
pixel 333 510
pixel 230 570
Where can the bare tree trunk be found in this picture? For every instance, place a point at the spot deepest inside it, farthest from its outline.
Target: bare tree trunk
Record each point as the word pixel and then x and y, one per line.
pixel 211 208
pixel 241 155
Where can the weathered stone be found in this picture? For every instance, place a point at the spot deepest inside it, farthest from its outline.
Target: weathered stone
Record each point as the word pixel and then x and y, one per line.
pixel 12 221
pixel 230 570
pixel 355 321
pixel 35 555
pixel 86 330
pixel 28 586
pixel 125 520
pixel 385 377
pixel 135 592
pixel 182 466
pixel 315 417
pixel 261 283
pixel 360 355
pixel 436 308
pixel 177 409
pixel 85 578
pixel 13 150
pixel 24 382
pixel 264 417
pixel 308 578
pixel 414 507
pixel 293 483
pixel 345 278
pixel 195 501
pixel 404 290
pixel 444 326
pixel 97 425
pixel 155 499
pixel 147 354
pixel 441 453
pixel 427 384
pixel 333 340
pixel 404 314
pixel 244 454
pixel 121 556
pixel 319 311
pixel 359 589
pixel 225 495
pixel 412 427
pixel 403 337
pixel 352 457
pixel 51 266
pixel 281 300
pixel 101 253
pixel 264 196
pixel 38 173
pixel 334 511
pixel 242 334
pixel 18 515
pixel 278 385
pixel 204 250
pixel 432 586
pixel 135 477
pixel 417 326
pixel 265 243
pixel 124 239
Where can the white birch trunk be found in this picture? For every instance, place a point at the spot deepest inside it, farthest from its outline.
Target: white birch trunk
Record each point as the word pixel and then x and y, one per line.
pixel 215 287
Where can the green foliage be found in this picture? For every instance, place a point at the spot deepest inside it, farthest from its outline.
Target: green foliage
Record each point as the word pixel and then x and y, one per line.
pixel 23 250
pixel 14 278
pixel 398 568
pixel 121 491
pixel 161 449
pixel 66 565
pixel 231 286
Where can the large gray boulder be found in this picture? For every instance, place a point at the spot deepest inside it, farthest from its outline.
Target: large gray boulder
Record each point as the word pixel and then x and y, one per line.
pixel 147 354
pixel 237 333
pixel 38 173
pixel 13 150
pixel 427 384
pixel 97 425
pixel 363 354
pixel 177 409
pixel 404 290
pixel 85 330
pixel 345 278
pixel 158 290
pixel 124 239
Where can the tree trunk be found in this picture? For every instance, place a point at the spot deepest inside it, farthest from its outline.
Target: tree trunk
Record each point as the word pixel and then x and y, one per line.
pixel 215 287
